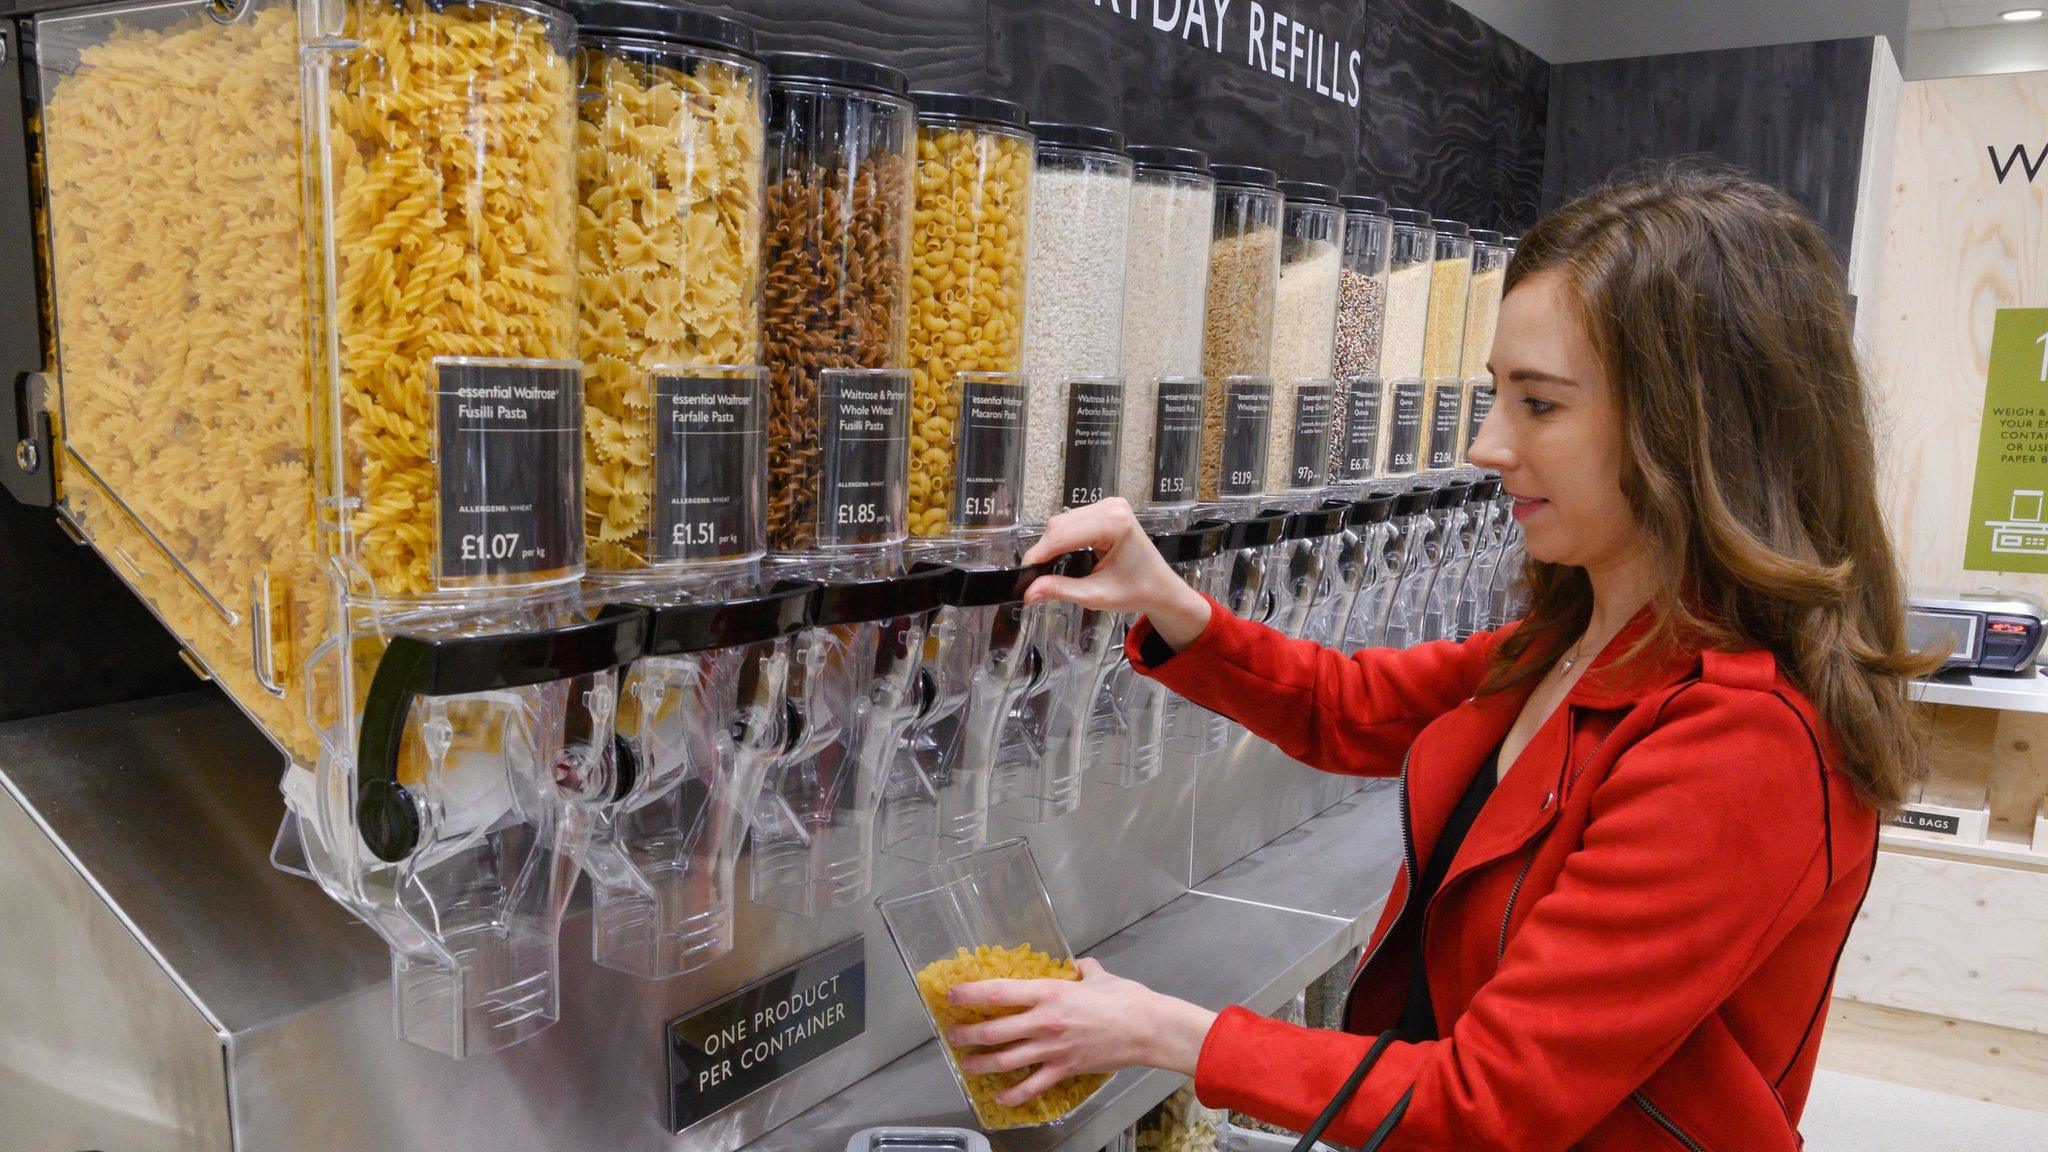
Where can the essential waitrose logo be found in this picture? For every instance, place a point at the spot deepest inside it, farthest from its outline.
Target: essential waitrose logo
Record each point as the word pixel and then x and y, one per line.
pixel 2018 158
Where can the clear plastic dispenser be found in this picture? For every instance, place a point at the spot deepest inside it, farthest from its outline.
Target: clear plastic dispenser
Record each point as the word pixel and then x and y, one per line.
pixel 1475 607
pixel 1408 619
pixel 1450 282
pixel 969 228
pixel 1357 563
pixel 669 163
pixel 1456 603
pixel 984 916
pixel 1314 541
pixel 321 407
pixel 1482 319
pixel 854 690
pixel 1355 426
pixel 1403 543
pixel 1461 527
pixel 1192 731
pixel 940 795
pixel 701 719
pixel 453 823
pixel 1127 734
pixel 1173 209
pixel 1042 752
pixel 1237 349
pixel 1411 263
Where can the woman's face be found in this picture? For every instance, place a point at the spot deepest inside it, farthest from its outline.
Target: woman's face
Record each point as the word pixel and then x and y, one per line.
pixel 1554 433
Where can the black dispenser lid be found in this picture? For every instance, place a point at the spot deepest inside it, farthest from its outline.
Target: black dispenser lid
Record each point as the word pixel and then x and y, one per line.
pixel 968 107
pixel 1160 158
pixel 1374 509
pixel 1087 137
pixel 1309 192
pixel 1372 204
pixel 662 20
pixel 1245 176
pixel 830 69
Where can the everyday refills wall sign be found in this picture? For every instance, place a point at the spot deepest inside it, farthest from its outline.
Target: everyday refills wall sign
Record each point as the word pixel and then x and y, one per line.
pixel 2009 504
pixel 726 1051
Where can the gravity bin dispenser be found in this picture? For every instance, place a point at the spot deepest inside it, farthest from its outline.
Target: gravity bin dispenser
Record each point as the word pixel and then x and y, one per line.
pixel 311 297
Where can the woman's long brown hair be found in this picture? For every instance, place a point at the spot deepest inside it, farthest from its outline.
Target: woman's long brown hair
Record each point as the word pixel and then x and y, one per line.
pixel 1719 312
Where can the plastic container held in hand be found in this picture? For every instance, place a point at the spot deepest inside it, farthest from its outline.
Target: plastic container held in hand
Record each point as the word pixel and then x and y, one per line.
pixel 853 692
pixel 939 793
pixel 701 718
pixel 1403 547
pixel 1041 753
pixel 278 471
pixel 984 916
pixel 453 823
pixel 1357 561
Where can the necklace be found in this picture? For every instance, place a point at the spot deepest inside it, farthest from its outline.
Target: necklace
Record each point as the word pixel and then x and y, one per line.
pixel 1570 658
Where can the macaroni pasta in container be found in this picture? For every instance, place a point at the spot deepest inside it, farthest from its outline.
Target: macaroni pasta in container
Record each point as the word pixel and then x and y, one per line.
pixel 348 303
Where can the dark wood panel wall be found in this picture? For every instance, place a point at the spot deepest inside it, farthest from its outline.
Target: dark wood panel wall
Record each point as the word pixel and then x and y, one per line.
pixel 1415 100
pixel 1790 113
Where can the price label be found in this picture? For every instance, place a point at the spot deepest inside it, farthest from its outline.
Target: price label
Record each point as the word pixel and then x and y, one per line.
pixel 1177 441
pixel 1313 405
pixel 1361 431
pixel 1475 414
pixel 1095 410
pixel 1446 405
pixel 710 475
pixel 509 440
pixel 1403 426
pixel 864 434
pixel 989 464
pixel 1247 420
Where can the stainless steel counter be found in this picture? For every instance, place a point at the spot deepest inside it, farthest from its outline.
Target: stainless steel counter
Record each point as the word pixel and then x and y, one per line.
pixel 1255 934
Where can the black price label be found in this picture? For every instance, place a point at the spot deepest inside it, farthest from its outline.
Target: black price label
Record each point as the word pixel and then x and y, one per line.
pixel 1177 441
pixel 1247 421
pixel 1445 408
pixel 710 479
pixel 509 436
pixel 1361 430
pixel 727 1051
pixel 1404 426
pixel 1482 403
pixel 1941 824
pixel 989 462
pixel 864 432
pixel 1313 404
pixel 1095 423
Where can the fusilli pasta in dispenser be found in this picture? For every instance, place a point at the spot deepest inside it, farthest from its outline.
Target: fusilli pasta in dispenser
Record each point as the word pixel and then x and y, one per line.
pixel 312 270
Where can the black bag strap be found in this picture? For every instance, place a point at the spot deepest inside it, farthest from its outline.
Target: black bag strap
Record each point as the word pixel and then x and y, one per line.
pixel 1349 1090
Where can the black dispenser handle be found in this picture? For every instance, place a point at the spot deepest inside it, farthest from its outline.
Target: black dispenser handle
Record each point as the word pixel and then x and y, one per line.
pixel 387 815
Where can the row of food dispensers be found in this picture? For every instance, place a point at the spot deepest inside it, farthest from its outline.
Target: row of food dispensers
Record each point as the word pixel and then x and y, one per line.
pixel 586 445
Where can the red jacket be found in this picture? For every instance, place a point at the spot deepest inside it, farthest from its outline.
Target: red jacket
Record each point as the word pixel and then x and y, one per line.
pixel 1634 946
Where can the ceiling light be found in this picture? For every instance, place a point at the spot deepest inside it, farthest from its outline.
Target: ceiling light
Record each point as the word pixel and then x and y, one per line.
pixel 2019 15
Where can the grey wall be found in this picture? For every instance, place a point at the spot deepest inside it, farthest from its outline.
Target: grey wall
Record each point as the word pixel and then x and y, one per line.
pixel 1571 31
pixel 1792 114
pixel 1939 52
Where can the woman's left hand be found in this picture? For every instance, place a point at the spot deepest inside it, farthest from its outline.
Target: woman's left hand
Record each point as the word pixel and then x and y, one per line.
pixel 1099 1023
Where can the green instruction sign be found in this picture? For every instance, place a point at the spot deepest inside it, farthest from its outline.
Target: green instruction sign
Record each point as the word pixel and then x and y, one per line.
pixel 2009 505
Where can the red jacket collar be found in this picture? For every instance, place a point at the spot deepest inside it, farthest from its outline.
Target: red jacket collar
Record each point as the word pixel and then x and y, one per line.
pixel 1617 680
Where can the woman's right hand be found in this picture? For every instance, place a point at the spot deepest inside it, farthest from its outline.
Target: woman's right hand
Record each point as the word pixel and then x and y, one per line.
pixel 1129 575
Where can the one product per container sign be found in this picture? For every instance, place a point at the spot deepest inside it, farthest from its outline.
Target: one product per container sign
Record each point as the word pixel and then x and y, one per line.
pixel 509 440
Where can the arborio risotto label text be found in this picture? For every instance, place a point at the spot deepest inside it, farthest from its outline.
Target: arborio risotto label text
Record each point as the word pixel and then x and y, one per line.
pixel 509 457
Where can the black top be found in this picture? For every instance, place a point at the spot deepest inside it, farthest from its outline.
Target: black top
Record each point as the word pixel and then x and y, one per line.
pixel 1450 227
pixel 1372 204
pixel 1309 192
pixel 964 106
pixel 829 69
pixel 1245 176
pixel 1418 1015
pixel 1414 217
pixel 662 20
pixel 1485 236
pixel 1159 157
pixel 1087 137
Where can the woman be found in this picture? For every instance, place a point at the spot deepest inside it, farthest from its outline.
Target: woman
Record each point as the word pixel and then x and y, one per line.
pixel 1641 820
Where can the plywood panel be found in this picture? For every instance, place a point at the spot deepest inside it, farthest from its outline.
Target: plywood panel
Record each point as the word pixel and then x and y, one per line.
pixel 1961 1057
pixel 1954 939
pixel 1959 247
